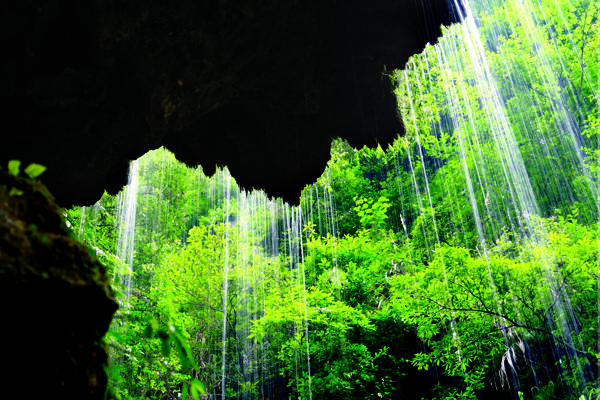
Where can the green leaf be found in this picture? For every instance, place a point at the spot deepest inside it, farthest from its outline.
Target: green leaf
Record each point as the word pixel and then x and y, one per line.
pixel 198 389
pixel 183 351
pixel 34 170
pixel 114 335
pixel 184 391
pixel 15 192
pixel 13 167
pixel 183 359
pixel 165 349
pixel 148 331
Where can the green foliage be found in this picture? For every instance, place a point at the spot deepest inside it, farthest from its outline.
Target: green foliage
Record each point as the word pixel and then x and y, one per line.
pixel 15 192
pixel 34 170
pixel 468 309
pixel 13 167
pixel 372 214
pixel 459 263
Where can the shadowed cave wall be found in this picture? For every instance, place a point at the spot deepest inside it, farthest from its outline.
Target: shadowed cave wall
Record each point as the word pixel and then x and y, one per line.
pixel 261 86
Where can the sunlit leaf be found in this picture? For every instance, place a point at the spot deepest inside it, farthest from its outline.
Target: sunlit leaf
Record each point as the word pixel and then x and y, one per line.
pixel 181 354
pixel 112 334
pixel 15 192
pixel 198 389
pixel 184 351
pixel 13 167
pixel 34 170
pixel 184 391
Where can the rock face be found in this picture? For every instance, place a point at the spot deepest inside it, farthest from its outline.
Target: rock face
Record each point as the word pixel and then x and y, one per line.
pixel 55 300
pixel 261 86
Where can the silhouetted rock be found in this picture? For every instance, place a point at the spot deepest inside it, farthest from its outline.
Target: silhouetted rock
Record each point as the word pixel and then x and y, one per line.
pixel 261 86
pixel 55 299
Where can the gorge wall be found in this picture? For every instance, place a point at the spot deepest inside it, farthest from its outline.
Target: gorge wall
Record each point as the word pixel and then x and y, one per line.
pixel 261 86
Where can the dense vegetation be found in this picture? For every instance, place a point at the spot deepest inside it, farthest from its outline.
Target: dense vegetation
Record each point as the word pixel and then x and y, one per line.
pixel 462 262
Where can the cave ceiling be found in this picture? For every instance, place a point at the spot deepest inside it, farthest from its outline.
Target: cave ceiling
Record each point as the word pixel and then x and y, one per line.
pixel 259 86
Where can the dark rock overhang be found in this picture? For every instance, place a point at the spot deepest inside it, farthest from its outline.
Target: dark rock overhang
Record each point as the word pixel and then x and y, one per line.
pixel 260 86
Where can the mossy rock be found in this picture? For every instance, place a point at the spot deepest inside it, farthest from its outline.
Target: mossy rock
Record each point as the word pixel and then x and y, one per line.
pixel 56 299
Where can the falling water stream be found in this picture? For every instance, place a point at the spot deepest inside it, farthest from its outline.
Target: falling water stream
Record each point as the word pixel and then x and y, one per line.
pixel 518 199
pixel 476 109
pixel 257 232
pixel 127 214
pixel 225 288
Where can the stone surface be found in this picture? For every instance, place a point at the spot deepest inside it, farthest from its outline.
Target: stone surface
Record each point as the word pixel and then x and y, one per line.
pixel 55 300
pixel 261 86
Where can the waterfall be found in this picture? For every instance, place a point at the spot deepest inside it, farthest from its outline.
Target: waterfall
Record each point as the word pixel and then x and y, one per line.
pixel 123 259
pixel 280 302
pixel 125 244
pixel 226 225
pixel 471 87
